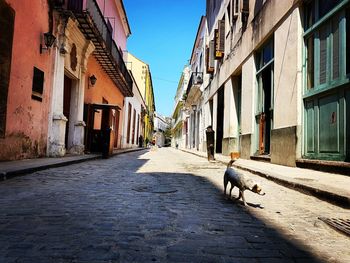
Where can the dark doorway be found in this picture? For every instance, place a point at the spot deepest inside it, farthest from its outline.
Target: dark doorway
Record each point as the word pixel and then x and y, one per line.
pixel 7 19
pixel 266 115
pixel 211 111
pixel 116 129
pixel 220 120
pixel 98 133
pixel 67 93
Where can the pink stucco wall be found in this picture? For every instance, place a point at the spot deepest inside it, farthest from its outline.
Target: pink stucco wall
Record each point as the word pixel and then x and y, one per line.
pixel 27 119
pixel 109 9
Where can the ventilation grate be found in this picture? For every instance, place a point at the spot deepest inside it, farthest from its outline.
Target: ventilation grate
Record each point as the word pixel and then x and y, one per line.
pixel 342 225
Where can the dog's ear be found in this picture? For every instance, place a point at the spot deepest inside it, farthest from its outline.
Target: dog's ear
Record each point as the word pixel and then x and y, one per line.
pixel 256 188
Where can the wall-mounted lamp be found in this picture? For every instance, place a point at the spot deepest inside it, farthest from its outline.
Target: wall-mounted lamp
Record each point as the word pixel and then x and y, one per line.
pixel 49 39
pixel 92 80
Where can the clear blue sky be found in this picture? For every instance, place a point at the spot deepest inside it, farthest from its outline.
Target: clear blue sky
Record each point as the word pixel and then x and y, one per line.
pixel 162 35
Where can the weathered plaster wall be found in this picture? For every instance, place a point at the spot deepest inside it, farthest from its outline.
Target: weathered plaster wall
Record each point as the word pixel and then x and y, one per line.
pixel 260 26
pixel 248 96
pixel 287 71
pixel 138 71
pixel 103 89
pixel 27 119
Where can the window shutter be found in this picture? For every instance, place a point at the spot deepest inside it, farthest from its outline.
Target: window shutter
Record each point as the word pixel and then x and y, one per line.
pixel 220 39
pixel 336 48
pixel 323 55
pixel 211 61
pixel 310 62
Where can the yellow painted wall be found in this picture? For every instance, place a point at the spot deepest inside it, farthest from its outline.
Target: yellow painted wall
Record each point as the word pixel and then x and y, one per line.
pixel 143 78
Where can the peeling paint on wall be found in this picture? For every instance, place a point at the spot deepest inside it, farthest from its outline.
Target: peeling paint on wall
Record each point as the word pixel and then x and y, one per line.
pixel 20 146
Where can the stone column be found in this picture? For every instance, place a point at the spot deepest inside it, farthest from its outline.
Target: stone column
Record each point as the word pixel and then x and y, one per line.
pixel 79 124
pixel 58 127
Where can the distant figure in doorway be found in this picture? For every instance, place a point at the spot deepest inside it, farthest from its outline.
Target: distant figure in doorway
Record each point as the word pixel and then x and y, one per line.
pixel 210 134
pixel 140 141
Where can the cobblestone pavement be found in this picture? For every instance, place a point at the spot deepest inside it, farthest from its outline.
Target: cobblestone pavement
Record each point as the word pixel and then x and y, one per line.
pixel 159 206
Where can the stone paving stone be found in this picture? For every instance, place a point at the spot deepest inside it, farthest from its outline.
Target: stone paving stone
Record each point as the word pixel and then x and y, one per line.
pixel 161 206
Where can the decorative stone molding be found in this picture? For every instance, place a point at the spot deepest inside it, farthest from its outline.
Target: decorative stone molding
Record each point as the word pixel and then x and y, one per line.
pixel 87 51
pixel 71 41
pixel 60 117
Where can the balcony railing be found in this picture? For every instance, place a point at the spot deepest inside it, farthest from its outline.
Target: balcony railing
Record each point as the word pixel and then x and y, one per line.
pixel 195 80
pixel 93 25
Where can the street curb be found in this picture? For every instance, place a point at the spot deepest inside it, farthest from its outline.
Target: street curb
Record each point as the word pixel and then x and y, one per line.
pixel 20 172
pixel 333 198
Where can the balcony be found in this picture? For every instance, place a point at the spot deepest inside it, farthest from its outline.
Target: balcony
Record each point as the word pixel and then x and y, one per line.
pixel 193 91
pixel 93 25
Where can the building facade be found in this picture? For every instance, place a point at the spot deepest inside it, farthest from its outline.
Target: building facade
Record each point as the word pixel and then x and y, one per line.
pixel 180 115
pixel 25 74
pixel 66 95
pixel 90 77
pixel 278 84
pixel 161 125
pixel 142 74
pixel 194 93
pixel 133 123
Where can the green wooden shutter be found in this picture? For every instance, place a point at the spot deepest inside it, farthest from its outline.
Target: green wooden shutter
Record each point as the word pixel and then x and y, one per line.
pixel 336 48
pixel 323 55
pixel 310 61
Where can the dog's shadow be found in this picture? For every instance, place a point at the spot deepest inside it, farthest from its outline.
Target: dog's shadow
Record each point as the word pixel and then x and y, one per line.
pixel 240 202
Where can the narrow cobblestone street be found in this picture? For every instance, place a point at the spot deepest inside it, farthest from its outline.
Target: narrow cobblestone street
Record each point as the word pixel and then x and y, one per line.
pixel 163 205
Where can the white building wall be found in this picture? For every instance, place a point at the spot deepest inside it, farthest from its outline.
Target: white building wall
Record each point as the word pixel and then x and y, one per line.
pixel 135 104
pixel 288 72
pixel 248 96
pixel 215 110
pixel 230 121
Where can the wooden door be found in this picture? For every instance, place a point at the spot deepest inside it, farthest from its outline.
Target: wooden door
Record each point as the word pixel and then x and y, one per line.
pixel 66 104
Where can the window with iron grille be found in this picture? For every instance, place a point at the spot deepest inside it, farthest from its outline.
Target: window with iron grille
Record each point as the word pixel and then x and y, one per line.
pixel 38 84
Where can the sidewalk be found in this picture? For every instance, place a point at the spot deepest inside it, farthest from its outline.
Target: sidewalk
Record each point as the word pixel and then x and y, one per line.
pixel 333 188
pixel 20 167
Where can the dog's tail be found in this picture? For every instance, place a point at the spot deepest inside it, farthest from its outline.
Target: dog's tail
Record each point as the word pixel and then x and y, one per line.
pixel 230 163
